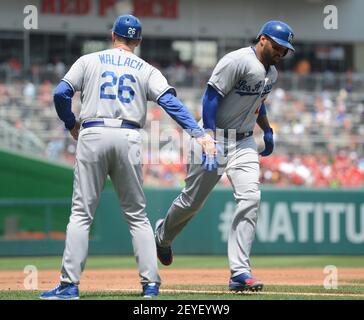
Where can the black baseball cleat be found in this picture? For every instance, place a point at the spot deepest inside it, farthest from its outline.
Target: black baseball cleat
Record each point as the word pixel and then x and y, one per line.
pixel 245 282
pixel 165 254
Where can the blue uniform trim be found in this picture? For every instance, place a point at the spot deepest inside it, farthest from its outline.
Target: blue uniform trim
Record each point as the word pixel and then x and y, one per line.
pixel 240 93
pixel 71 85
pixel 262 110
pixel 255 51
pixel 63 102
pixel 209 83
pixel 179 112
pixel 125 124
pixel 210 102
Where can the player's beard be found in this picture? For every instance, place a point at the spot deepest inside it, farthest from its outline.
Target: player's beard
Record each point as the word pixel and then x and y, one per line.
pixel 268 57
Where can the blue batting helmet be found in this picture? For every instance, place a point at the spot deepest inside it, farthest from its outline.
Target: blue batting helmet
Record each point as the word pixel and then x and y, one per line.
pixel 128 26
pixel 279 32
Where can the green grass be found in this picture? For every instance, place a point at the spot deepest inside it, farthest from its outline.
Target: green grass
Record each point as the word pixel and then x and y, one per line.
pixel 127 262
pixel 345 289
pixel 272 293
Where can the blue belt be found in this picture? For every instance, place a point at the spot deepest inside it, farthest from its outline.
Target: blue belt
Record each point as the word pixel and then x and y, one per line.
pixel 239 135
pixel 100 123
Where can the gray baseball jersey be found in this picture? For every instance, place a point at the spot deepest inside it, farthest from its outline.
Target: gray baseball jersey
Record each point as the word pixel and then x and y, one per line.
pixel 243 82
pixel 116 84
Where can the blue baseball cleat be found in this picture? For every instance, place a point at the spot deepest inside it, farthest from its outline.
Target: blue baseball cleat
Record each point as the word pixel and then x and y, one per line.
pixel 150 290
pixel 165 254
pixel 61 292
pixel 245 282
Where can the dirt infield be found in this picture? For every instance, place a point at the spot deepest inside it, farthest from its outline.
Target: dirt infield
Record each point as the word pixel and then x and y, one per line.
pixel 112 279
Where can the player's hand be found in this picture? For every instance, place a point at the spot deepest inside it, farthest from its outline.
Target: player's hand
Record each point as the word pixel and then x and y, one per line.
pixel 76 130
pixel 208 144
pixel 209 152
pixel 269 142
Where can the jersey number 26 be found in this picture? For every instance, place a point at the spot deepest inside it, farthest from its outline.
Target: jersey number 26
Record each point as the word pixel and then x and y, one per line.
pixel 121 87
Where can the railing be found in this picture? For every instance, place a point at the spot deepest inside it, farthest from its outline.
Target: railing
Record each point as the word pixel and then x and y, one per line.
pixel 315 81
pixel 12 230
pixel 20 139
pixel 41 133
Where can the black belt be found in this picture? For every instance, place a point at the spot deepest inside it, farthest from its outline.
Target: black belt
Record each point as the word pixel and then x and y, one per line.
pixel 100 123
pixel 239 135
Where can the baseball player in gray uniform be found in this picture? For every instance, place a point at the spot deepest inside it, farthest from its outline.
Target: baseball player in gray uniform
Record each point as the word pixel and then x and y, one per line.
pixel 115 86
pixel 232 104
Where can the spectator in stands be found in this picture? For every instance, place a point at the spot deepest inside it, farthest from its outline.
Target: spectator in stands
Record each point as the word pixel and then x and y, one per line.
pixel 59 69
pixel 4 95
pixel 322 122
pixel 15 66
pixel 303 67
pixel 29 92
pixel 45 97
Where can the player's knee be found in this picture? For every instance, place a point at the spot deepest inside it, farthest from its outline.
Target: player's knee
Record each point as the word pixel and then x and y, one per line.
pixel 247 208
pixel 135 216
pixel 251 193
pixel 83 222
pixel 188 203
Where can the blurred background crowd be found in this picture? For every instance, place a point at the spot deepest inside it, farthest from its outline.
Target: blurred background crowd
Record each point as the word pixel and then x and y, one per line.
pixel 316 108
pixel 318 134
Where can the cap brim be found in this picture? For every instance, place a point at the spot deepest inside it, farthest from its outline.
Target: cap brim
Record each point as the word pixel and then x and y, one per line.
pixel 282 43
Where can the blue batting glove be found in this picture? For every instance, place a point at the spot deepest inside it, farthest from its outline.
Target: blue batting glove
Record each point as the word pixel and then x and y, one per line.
pixel 209 162
pixel 269 142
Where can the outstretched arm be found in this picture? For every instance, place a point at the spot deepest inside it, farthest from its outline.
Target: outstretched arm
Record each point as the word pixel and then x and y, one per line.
pixel 179 112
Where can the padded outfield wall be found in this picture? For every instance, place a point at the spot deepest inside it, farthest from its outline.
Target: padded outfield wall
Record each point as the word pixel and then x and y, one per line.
pixel 35 200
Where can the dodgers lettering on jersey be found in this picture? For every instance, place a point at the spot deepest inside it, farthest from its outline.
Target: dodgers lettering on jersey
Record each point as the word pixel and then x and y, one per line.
pixel 243 82
pixel 244 89
pixel 116 84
